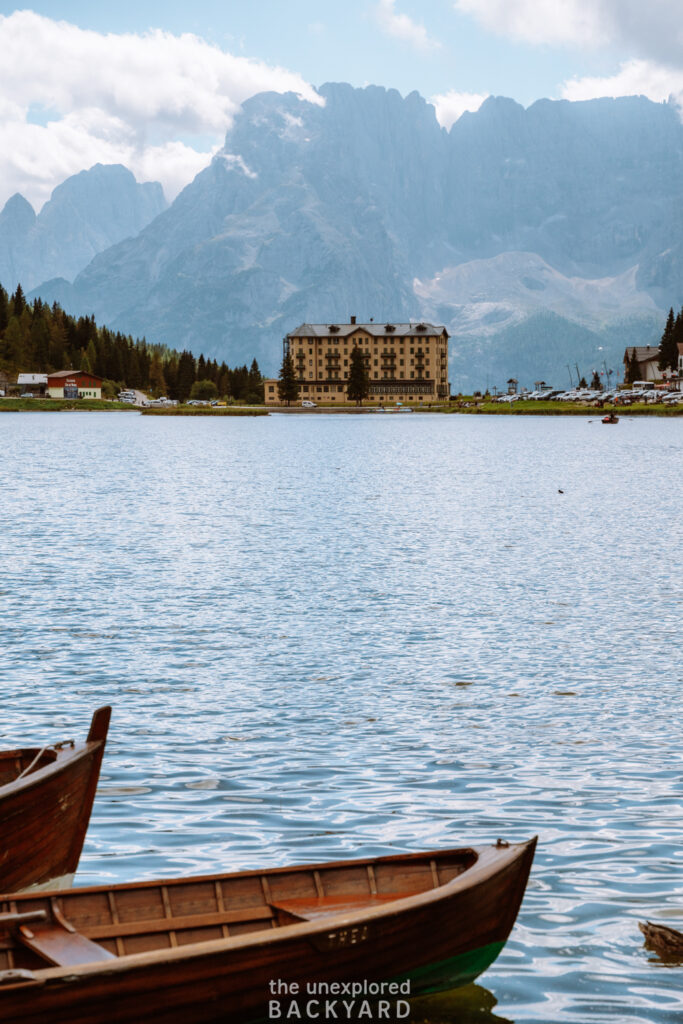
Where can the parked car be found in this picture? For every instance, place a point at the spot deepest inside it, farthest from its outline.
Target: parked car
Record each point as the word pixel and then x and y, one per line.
pixel 307 404
pixel 26 394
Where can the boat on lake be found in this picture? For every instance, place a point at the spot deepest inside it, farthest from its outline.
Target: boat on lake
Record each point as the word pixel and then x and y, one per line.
pixel 206 949
pixel 46 796
pixel 610 418
pixel 663 940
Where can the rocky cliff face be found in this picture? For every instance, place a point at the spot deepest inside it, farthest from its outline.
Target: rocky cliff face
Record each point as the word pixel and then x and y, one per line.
pixel 363 204
pixel 86 214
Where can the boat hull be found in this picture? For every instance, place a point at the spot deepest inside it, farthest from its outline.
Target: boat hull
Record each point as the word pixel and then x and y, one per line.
pixel 433 941
pixel 44 814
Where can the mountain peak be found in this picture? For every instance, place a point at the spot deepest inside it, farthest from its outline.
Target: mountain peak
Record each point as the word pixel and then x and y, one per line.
pixel 17 211
pixel 87 213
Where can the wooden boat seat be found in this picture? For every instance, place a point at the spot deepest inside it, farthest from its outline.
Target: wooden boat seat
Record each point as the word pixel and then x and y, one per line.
pixel 58 942
pixel 310 908
pixel 60 947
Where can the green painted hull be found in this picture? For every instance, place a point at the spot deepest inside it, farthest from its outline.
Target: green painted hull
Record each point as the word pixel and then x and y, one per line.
pixel 451 973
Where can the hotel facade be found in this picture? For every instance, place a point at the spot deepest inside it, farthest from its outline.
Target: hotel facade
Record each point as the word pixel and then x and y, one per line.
pixel 404 362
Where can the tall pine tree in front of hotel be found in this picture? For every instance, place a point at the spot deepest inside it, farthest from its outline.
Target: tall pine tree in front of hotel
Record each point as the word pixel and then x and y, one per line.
pixel 287 386
pixel 668 349
pixel 632 371
pixel 358 387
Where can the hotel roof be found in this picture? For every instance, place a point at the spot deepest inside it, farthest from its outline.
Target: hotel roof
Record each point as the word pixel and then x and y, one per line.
pixel 379 330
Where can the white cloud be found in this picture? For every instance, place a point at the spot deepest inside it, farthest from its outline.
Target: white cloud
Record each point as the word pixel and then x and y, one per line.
pixel 634 78
pixel 402 27
pixel 539 21
pixel 140 100
pixel 652 29
pixel 451 105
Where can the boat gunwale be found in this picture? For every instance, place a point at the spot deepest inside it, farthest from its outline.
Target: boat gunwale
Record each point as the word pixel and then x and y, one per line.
pixel 67 752
pixel 491 860
pixel 65 756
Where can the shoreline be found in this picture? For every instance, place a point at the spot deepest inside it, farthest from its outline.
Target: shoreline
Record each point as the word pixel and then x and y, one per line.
pixel 464 408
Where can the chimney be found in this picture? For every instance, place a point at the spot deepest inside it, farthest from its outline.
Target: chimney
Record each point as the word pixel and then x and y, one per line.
pixel 353 319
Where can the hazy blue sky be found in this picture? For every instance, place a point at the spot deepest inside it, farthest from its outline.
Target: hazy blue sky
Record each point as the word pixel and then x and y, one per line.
pixel 155 85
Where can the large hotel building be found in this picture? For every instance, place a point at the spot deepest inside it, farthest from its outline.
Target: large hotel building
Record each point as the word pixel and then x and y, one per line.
pixel 405 362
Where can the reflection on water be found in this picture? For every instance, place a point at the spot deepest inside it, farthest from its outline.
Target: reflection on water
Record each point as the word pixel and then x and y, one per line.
pixel 470 1005
pixel 336 635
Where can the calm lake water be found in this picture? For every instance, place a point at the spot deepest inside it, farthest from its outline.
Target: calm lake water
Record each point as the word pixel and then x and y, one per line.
pixel 334 635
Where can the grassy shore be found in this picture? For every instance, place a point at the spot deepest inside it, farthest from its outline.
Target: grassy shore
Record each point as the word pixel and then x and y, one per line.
pixel 63 405
pixel 204 410
pixel 522 408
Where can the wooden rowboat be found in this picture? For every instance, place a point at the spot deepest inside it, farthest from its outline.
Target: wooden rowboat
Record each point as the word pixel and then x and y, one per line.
pixel 46 796
pixel 663 940
pixel 206 949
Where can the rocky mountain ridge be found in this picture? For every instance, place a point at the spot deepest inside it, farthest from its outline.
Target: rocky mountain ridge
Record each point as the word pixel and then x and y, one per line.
pixel 87 213
pixel 563 214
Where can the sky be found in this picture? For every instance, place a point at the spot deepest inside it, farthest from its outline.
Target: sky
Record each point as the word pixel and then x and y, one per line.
pixel 155 85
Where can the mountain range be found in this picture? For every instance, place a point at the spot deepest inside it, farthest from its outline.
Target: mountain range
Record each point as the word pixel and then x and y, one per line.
pixel 540 237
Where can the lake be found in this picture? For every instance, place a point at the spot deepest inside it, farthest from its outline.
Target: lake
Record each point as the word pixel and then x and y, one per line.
pixel 326 636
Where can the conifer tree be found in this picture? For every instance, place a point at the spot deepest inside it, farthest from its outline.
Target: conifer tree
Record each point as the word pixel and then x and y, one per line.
pixel 677 340
pixel 595 381
pixel 287 386
pixel 186 375
pixel 632 369
pixel 171 376
pixel 157 382
pixel 4 309
pixel 668 350
pixel 256 392
pixel 18 301
pixel 359 379
pixel 224 382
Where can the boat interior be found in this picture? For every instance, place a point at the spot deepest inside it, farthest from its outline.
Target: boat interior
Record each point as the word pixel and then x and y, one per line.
pixel 17 763
pixel 95 924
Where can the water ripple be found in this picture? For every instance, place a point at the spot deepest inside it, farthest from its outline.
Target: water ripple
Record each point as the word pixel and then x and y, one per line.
pixel 335 635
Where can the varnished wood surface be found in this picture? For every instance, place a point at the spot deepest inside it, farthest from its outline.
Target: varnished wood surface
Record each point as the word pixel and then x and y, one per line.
pixel 45 804
pixel 201 950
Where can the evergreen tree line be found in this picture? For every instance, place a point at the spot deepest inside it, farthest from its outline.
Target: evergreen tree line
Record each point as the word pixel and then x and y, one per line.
pixel 39 338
